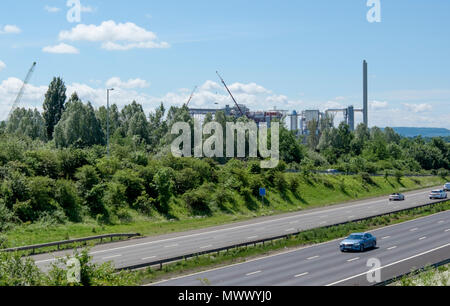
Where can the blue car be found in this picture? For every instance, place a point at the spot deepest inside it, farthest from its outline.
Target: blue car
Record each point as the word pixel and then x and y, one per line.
pixel 358 242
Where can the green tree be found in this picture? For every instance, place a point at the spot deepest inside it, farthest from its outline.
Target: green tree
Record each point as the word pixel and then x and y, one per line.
pixel 78 127
pixel 55 99
pixel 27 123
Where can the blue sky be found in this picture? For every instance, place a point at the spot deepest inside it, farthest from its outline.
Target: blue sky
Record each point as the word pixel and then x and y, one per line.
pixel 295 54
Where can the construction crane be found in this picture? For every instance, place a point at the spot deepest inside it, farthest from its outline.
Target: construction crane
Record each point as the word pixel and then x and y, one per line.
pixel 231 95
pixel 22 89
pixel 192 95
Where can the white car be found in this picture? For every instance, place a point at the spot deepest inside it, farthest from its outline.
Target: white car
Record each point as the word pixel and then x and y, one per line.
pixel 397 197
pixel 447 187
pixel 438 194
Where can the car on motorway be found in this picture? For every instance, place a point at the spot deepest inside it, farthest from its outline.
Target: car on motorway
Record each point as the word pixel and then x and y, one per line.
pixel 358 242
pixel 447 187
pixel 438 194
pixel 396 197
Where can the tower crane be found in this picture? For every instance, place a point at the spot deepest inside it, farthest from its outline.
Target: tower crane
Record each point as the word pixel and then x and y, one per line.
pixel 22 89
pixel 192 95
pixel 226 87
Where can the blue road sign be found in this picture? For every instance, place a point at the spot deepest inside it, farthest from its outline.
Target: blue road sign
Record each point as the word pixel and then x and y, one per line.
pixel 262 192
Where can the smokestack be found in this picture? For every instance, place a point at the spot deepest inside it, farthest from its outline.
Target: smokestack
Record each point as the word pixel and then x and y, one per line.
pixel 366 96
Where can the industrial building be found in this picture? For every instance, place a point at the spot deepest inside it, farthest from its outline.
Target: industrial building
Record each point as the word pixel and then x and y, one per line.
pixel 299 120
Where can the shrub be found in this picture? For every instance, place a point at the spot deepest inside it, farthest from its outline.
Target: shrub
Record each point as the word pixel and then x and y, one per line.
pixel 223 199
pixel 134 185
pixel 198 200
pixel 6 216
pixel 186 179
pixel 280 181
pixel 68 200
pixel 144 204
pixel 366 179
pixel 87 178
pixel 294 183
pixel 254 167
pixel 43 163
pixel 254 183
pixel 70 160
pixel 115 196
pixel 15 188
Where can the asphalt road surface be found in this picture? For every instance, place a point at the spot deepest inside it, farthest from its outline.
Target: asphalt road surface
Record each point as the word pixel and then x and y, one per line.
pixel 400 248
pixel 140 251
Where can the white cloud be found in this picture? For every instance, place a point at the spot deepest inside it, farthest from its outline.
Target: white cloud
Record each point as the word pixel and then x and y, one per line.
pixel 208 94
pixel 10 29
pixel 418 108
pixel 251 88
pixel 2 65
pixel 52 9
pixel 131 83
pixel 376 105
pixel 61 49
pixel 114 36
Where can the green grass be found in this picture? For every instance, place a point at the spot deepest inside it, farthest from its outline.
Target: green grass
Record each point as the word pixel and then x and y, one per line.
pixel 314 236
pixel 316 191
pixel 429 276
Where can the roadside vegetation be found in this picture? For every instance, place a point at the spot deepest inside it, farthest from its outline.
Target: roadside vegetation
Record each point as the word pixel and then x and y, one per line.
pixel 429 276
pixel 17 271
pixel 57 181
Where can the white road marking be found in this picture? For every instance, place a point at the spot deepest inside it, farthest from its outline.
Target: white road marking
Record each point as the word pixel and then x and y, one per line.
pixel 413 229
pixel 447 230
pixel 46 260
pixel 351 217
pixel 252 237
pixel 323 222
pixel 300 275
pixel 206 246
pixel 171 245
pixel 313 257
pixel 422 238
pixel 294 222
pixel 353 259
pixel 151 257
pixel 290 230
pixel 391 248
pixel 440 222
pixel 387 237
pixel 110 257
pixel 391 264
pixel 253 273
pixel 289 252
pixel 236 227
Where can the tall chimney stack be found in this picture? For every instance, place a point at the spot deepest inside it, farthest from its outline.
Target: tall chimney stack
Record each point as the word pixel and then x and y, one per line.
pixel 366 96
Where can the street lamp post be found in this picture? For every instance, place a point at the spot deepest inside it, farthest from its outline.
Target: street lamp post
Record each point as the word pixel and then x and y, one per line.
pixel 107 119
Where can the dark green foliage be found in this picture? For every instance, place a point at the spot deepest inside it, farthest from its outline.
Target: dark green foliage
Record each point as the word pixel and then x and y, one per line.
pixel 78 127
pixel 55 99
pixel 30 123
pixel 67 198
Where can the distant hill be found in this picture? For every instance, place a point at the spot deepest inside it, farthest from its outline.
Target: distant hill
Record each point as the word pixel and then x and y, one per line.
pixel 424 132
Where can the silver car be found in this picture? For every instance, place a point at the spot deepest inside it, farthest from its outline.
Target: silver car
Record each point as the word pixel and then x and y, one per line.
pixel 438 195
pixel 396 197
pixel 447 187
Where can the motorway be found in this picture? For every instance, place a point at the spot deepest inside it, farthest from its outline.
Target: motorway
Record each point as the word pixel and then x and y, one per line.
pixel 400 248
pixel 150 249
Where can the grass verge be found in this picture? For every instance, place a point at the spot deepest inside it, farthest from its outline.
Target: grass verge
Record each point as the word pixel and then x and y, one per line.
pixel 429 276
pixel 312 192
pixel 206 262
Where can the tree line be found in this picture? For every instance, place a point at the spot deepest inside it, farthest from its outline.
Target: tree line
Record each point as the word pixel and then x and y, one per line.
pixel 54 165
